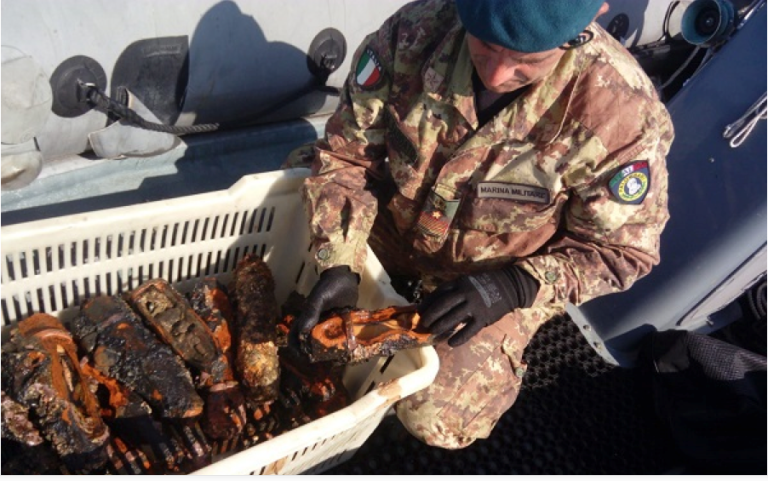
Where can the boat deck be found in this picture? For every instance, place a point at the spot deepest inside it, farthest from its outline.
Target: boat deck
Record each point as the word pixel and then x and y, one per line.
pixel 576 414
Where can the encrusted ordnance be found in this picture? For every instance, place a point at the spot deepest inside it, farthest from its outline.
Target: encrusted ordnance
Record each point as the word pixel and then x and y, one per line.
pixel 255 330
pixel 355 335
pixel 224 416
pixel 123 348
pixel 41 371
pixel 159 368
pixel 168 314
pixel 210 301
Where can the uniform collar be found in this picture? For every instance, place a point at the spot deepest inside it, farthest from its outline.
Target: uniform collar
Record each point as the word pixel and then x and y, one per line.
pixel 447 77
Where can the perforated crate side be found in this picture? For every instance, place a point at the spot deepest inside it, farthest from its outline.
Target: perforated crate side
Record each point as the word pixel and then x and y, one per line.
pixel 52 265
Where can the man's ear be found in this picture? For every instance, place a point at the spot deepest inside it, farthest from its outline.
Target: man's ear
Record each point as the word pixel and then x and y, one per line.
pixel 603 9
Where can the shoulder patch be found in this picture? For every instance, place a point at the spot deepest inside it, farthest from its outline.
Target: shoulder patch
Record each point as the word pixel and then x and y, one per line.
pixel 631 184
pixel 368 73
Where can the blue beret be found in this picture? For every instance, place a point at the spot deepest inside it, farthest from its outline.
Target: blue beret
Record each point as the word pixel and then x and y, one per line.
pixel 527 25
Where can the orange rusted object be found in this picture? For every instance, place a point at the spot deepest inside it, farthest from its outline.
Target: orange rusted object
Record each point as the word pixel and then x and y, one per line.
pixel 356 335
pixel 45 376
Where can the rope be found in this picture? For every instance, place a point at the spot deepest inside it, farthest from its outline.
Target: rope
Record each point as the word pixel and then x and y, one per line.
pixel 739 131
pixel 107 105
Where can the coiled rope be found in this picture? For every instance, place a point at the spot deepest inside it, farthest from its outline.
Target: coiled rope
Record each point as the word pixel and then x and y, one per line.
pixel 739 131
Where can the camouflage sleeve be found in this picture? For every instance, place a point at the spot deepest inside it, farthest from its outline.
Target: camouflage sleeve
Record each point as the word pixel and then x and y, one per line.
pixel 606 243
pixel 339 205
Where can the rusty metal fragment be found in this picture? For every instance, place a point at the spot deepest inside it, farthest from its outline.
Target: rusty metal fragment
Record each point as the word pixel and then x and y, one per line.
pixel 355 335
pixel 42 372
pixel 130 420
pixel 255 329
pixel 121 347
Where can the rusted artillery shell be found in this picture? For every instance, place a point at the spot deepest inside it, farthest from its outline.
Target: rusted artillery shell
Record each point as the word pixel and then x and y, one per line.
pixel 41 371
pixel 121 346
pixel 255 330
pixel 168 314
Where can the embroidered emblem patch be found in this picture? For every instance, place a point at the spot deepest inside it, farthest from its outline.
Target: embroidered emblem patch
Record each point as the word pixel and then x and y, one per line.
pixel 631 184
pixel 519 192
pixel 368 72
pixel 437 215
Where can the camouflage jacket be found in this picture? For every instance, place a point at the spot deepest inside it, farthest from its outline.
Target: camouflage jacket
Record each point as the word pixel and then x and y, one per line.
pixel 569 181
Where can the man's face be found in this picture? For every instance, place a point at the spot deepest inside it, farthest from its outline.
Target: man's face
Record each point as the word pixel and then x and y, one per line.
pixel 503 70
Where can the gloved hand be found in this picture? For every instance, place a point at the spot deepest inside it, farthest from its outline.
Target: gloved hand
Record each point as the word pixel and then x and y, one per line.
pixel 337 287
pixel 477 301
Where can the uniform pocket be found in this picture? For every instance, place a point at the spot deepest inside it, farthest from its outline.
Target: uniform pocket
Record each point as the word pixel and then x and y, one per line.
pixel 496 215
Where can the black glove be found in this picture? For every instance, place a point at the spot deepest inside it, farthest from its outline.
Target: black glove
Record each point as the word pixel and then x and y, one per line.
pixel 337 287
pixel 478 300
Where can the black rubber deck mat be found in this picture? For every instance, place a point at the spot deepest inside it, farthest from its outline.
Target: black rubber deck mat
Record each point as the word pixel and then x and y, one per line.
pixel 576 414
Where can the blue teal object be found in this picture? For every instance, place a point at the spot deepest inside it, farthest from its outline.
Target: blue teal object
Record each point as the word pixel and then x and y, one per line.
pixel 707 22
pixel 527 25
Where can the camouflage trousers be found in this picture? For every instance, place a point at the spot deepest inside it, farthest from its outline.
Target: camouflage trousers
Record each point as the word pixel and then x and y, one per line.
pixel 478 381
pixel 476 384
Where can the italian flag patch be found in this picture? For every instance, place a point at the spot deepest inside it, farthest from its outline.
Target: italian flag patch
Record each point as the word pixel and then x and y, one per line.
pixel 368 72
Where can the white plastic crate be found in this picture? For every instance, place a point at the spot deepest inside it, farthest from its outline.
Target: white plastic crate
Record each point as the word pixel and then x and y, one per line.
pixel 54 264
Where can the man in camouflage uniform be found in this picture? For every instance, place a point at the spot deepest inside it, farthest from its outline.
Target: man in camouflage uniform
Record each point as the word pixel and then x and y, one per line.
pixel 512 154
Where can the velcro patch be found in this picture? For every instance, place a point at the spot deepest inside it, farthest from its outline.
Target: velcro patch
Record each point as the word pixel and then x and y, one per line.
pixel 518 192
pixel 368 73
pixel 630 185
pixel 399 141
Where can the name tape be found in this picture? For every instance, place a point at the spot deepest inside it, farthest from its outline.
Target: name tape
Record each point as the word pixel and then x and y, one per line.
pixel 519 192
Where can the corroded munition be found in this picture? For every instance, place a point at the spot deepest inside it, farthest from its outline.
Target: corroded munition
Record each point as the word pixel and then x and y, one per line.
pixel 169 315
pixel 224 416
pixel 122 347
pixel 41 371
pixel 256 318
pixel 210 301
pixel 355 335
